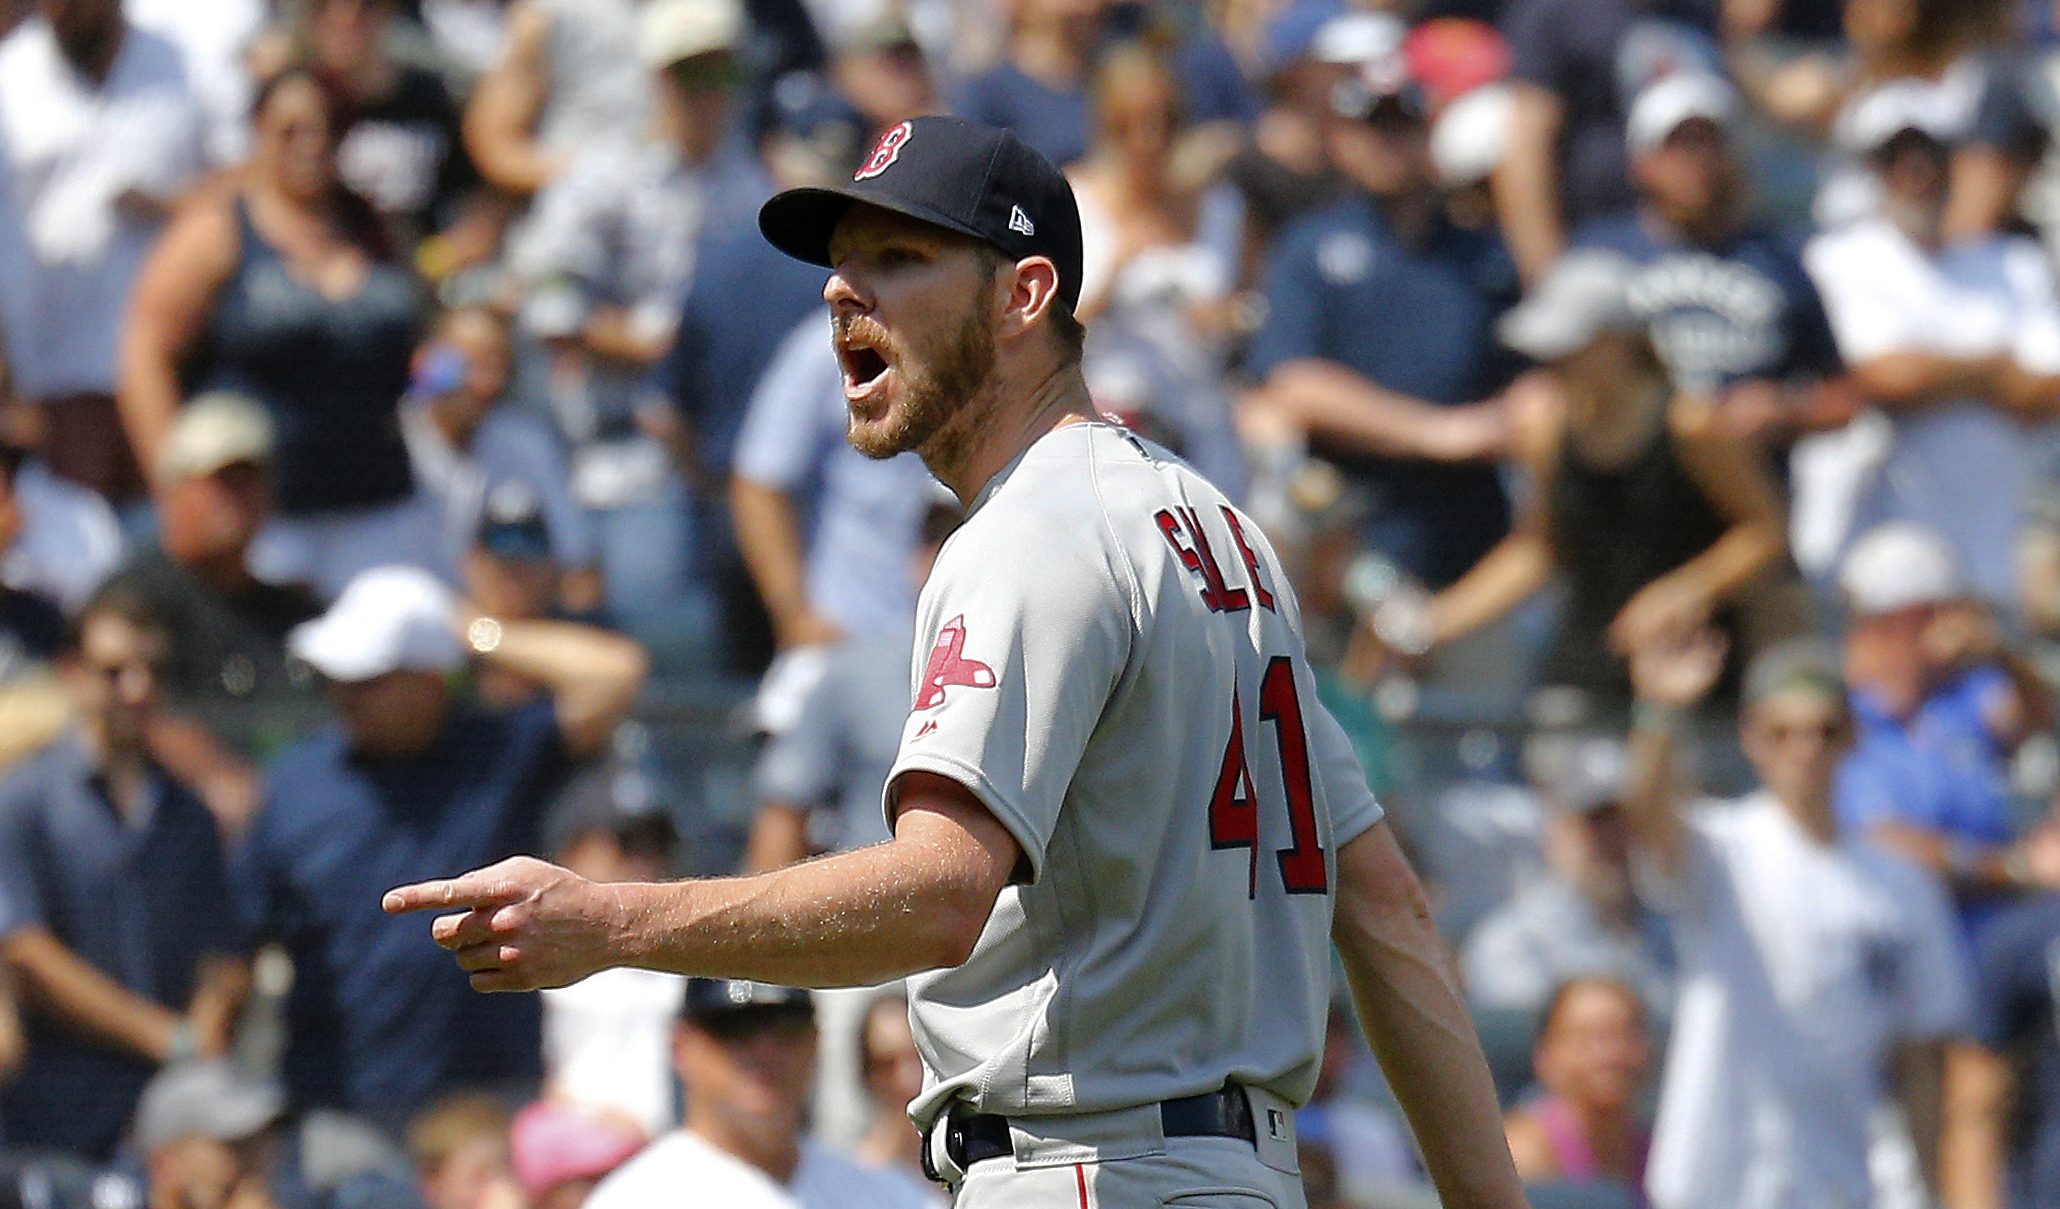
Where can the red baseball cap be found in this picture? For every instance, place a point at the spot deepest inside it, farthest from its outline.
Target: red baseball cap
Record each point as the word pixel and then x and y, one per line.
pixel 1451 56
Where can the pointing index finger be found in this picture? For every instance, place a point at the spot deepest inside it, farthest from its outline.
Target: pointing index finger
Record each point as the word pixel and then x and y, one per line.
pixel 471 890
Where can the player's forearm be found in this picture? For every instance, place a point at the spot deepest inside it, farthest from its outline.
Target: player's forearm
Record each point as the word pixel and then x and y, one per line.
pixel 1408 999
pixel 69 991
pixel 858 919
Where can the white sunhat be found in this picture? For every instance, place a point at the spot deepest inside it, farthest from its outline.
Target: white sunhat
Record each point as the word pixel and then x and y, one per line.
pixel 1471 135
pixel 1898 565
pixel 670 31
pixel 1584 294
pixel 387 619
pixel 1672 101
pixel 1898 106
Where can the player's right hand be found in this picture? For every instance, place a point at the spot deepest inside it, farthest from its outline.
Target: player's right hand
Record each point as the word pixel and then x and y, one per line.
pixel 520 925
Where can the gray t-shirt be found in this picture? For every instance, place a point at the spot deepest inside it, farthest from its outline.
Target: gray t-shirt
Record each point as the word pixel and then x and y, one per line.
pixel 833 760
pixel 1111 660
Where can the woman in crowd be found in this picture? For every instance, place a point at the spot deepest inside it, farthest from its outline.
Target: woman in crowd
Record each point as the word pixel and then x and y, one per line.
pixel 1593 1054
pixel 283 287
pixel 1652 512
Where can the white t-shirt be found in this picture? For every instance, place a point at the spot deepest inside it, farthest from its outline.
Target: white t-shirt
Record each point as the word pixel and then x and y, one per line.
pixel 1802 967
pixel 68 150
pixel 608 1043
pixel 682 1171
pixel 1885 294
pixel 1110 658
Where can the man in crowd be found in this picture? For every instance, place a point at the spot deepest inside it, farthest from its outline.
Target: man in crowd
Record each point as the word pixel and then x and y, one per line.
pixel 227 660
pixel 607 255
pixel 1938 712
pixel 202 1130
pixel 1730 306
pixel 1582 914
pixel 115 914
pixel 1958 344
pixel 745 1052
pixel 411 779
pixel 1818 972
pixel 100 133
pixel 1380 332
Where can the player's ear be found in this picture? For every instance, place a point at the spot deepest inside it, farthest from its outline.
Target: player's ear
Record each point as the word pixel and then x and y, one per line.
pixel 1031 296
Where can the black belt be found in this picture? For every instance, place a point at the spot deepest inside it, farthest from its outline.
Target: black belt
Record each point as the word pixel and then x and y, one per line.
pixel 970 1138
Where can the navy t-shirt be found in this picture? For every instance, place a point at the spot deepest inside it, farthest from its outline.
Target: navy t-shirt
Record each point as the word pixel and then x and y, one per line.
pixel 380 1020
pixel 2016 978
pixel 1052 121
pixel 1420 320
pixel 142 904
pixel 1741 309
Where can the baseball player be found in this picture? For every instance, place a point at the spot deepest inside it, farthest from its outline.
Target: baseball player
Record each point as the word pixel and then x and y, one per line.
pixel 1126 834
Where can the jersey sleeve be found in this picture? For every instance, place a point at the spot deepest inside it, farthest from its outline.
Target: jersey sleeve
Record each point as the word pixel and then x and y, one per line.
pixel 1024 630
pixel 1353 808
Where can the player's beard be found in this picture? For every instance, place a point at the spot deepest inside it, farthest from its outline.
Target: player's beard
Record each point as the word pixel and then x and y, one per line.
pixel 937 413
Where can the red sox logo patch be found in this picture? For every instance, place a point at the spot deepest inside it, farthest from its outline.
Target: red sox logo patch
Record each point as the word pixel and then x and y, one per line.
pixel 885 152
pixel 948 665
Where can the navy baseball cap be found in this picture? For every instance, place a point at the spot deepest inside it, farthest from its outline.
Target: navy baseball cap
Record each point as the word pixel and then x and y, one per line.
pixel 707 998
pixel 976 180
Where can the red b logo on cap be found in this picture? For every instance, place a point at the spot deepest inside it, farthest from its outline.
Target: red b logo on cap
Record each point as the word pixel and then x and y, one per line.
pixel 884 152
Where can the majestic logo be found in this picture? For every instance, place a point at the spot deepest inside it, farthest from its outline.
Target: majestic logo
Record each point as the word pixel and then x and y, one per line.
pixel 885 152
pixel 948 665
pixel 1020 223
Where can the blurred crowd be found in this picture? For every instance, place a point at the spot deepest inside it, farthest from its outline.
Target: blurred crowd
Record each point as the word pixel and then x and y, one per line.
pixel 403 425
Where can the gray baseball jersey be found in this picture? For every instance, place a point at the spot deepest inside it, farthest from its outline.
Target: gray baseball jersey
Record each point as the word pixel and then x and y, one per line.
pixel 1109 657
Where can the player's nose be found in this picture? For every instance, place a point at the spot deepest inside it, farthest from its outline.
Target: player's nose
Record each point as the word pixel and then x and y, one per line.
pixel 843 293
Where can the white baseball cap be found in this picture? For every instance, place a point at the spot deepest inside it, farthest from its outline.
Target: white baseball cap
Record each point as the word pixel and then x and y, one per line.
pixel 1896 566
pixel 1584 294
pixel 388 619
pixel 1471 135
pixel 1896 107
pixel 212 432
pixel 1672 101
pixel 670 31
pixel 1353 38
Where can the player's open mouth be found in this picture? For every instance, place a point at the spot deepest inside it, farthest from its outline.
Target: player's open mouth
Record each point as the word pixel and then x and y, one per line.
pixel 864 367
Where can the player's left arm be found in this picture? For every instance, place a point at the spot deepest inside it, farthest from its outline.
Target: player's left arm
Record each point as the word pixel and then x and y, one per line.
pixel 1408 999
pixel 917 902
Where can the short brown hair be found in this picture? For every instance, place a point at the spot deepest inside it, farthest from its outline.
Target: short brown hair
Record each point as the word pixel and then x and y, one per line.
pixel 1066 327
pixel 444 1128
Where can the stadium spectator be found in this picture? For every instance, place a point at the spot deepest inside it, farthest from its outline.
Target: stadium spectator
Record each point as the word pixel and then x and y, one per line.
pixel 1957 345
pixel 1818 972
pixel 227 661
pixel 607 1039
pixel 1380 335
pixel 281 287
pixel 1938 713
pixel 1729 306
pixel 460 1150
pixel 1160 262
pixel 1593 1058
pixel 607 255
pixel 399 148
pixel 1283 170
pixel 412 778
pixel 877 75
pixel 100 134
pixel 32 705
pixel 1654 512
pixel 1582 913
pixel 561 1153
pixel 2001 1142
pixel 510 572
pixel 567 77
pixel 114 901
pixel 1039 88
pixel 744 1052
pixel 893 1074
pixel 465 433
pixel 214 39
pixel 1576 66
pixel 204 1133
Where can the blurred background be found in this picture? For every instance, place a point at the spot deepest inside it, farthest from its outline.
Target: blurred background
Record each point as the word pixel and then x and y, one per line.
pixel 411 455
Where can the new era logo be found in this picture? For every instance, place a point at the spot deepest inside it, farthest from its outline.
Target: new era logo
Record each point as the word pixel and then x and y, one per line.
pixel 1020 223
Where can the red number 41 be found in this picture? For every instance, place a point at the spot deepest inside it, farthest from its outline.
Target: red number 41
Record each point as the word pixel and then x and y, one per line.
pixel 1234 807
